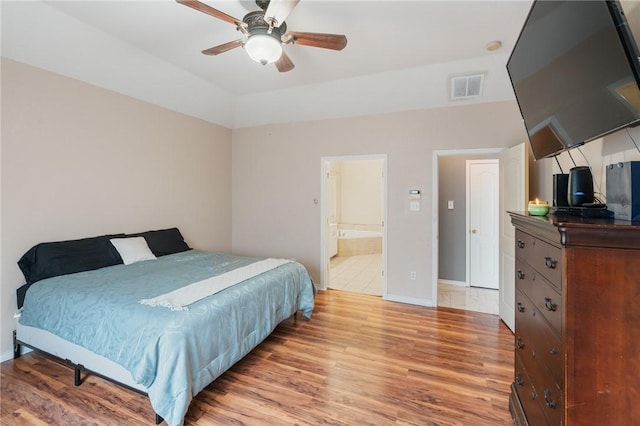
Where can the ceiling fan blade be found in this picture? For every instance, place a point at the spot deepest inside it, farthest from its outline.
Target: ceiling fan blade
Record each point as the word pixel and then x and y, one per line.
pixel 278 10
pixel 195 4
pixel 325 41
pixel 216 50
pixel 284 64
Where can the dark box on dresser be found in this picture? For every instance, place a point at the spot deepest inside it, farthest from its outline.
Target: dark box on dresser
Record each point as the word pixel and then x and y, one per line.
pixel 623 190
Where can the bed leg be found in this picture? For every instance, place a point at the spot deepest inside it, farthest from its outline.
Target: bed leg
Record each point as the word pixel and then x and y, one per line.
pixel 159 419
pixel 16 346
pixel 77 377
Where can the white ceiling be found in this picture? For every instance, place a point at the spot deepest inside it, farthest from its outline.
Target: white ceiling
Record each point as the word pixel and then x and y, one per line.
pixel 400 54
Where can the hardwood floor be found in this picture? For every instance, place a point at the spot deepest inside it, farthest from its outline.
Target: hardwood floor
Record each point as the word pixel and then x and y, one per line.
pixel 359 361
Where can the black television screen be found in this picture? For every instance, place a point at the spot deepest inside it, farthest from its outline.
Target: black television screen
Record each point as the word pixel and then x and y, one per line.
pixel 575 72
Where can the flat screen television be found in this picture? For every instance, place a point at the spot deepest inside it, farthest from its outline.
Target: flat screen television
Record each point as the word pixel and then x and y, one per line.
pixel 575 71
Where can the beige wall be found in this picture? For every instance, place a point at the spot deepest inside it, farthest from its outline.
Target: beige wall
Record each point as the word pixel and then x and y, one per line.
pixel 362 192
pixel 79 161
pixel 277 180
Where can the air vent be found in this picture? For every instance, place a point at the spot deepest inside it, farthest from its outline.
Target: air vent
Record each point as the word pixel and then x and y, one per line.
pixel 466 86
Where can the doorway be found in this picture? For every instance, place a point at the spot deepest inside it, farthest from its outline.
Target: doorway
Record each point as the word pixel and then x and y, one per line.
pixel 451 282
pixel 353 242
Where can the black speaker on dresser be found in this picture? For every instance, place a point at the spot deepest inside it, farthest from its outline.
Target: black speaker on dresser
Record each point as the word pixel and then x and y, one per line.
pixel 580 187
pixel 560 189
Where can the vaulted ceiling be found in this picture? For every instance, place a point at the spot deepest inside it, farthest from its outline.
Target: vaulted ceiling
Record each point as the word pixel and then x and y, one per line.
pixel 401 55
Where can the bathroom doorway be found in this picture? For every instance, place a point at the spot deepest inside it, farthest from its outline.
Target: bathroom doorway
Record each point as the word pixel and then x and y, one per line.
pixel 353 231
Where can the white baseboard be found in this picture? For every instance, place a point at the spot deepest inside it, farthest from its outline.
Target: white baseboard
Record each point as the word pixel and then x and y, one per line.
pixel 6 356
pixel 409 300
pixel 451 282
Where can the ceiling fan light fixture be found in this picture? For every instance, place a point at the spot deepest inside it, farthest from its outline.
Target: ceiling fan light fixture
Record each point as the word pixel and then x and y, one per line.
pixel 263 48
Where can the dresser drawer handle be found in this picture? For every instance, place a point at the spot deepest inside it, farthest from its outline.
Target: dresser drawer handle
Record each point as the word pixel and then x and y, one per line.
pixel 520 244
pixel 519 379
pixel 547 399
pixel 550 263
pixel 553 351
pixel 519 344
pixel 520 307
pixel 549 304
pixel 520 274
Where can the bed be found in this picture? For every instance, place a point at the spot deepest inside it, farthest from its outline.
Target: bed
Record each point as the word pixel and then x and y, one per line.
pixel 166 322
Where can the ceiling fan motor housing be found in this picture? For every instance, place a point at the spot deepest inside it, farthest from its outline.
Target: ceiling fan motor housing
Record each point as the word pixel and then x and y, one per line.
pixel 265 41
pixel 257 25
pixel 263 4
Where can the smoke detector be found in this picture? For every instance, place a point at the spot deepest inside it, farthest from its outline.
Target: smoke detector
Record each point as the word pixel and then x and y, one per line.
pixel 467 86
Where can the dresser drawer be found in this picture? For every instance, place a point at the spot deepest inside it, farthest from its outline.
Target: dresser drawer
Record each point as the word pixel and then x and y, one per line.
pixel 538 338
pixel 542 294
pixel 528 396
pixel 546 390
pixel 542 256
pixel 551 400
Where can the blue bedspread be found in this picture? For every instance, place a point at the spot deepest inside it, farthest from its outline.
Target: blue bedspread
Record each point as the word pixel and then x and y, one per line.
pixel 174 354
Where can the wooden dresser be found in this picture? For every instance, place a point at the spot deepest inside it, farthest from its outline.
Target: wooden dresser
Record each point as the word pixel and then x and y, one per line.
pixel 577 340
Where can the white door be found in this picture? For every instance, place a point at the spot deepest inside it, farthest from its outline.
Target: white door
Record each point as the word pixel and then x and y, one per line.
pixel 482 223
pixel 332 212
pixel 514 193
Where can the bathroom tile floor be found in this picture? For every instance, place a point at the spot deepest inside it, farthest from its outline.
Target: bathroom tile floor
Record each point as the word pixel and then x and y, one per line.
pixel 363 274
pixel 358 274
pixel 468 298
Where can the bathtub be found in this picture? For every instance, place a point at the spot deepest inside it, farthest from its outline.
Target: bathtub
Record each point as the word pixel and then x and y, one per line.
pixel 357 233
pixel 356 242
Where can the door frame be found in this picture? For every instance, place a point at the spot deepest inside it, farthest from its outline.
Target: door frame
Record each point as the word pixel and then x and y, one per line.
pixel 435 244
pixel 515 194
pixel 324 226
pixel 496 236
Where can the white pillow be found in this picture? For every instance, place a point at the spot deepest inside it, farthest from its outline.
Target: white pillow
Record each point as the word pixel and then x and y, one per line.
pixel 133 250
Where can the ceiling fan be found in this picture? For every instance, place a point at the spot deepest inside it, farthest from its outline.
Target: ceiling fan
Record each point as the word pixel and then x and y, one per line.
pixel 265 32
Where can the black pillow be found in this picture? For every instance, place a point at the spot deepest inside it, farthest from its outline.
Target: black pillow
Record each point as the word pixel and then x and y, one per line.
pixel 47 260
pixel 21 293
pixel 164 241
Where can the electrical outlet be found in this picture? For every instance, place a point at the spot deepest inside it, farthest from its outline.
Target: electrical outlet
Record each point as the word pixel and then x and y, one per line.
pixel 413 275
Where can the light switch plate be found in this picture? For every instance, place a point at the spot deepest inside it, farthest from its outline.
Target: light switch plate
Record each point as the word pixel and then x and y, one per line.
pixel 450 204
